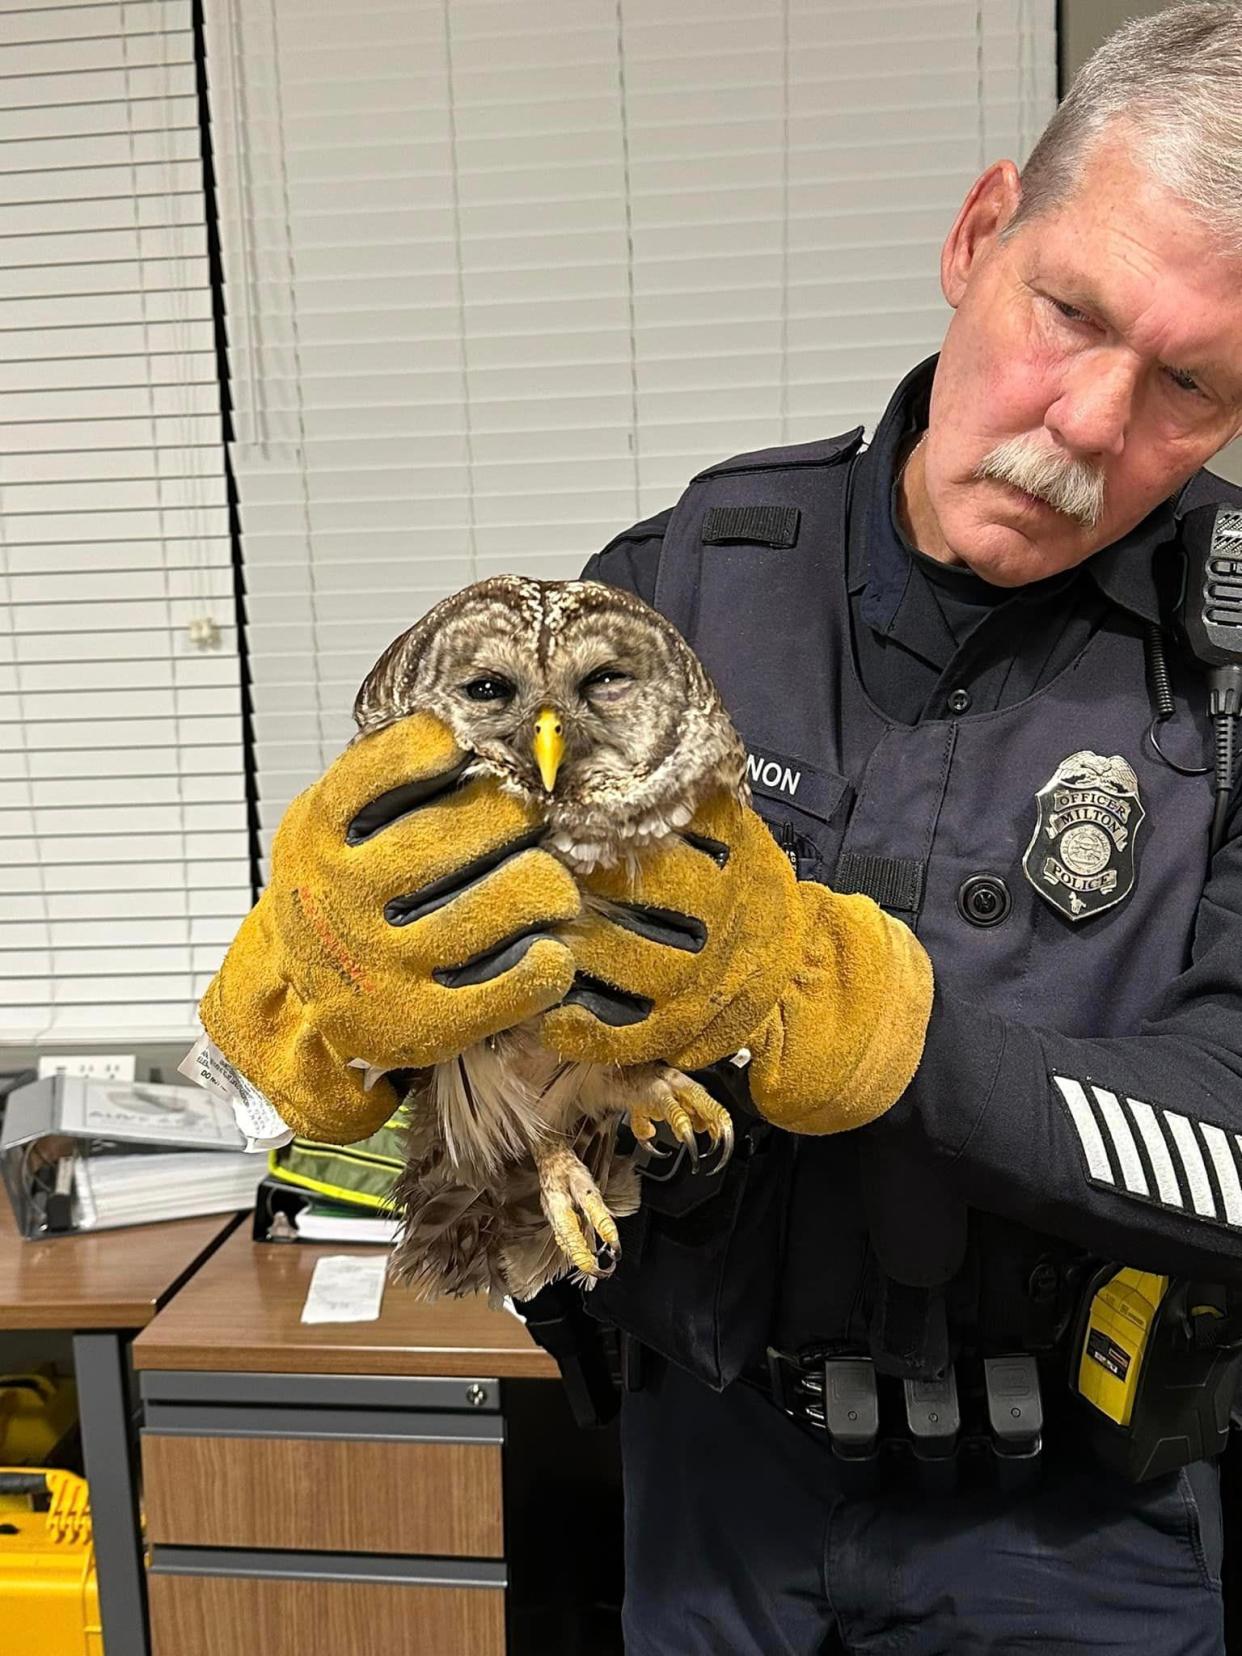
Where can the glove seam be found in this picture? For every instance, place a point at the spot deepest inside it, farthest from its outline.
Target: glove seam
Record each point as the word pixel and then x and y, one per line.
pixel 706 1038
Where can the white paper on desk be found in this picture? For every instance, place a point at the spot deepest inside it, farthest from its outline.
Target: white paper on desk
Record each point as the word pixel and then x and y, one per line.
pixel 344 1289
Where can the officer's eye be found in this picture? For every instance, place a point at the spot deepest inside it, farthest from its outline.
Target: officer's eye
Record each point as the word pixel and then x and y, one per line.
pixel 1185 382
pixel 1070 312
pixel 489 687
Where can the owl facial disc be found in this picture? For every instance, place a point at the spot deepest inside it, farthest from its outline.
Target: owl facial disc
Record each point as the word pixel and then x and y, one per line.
pixel 577 697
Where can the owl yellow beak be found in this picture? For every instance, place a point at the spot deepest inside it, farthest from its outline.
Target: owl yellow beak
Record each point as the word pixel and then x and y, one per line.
pixel 549 746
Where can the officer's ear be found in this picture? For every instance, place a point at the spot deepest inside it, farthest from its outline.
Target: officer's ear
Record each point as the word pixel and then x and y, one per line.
pixel 990 203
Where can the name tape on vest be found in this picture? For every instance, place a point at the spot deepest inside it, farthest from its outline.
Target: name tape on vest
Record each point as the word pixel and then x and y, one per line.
pixel 778 776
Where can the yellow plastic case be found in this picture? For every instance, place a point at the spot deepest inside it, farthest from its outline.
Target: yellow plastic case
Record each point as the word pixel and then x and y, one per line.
pixel 49 1599
pixel 37 1410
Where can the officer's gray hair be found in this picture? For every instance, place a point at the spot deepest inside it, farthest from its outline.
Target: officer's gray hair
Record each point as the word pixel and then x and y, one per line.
pixel 1174 81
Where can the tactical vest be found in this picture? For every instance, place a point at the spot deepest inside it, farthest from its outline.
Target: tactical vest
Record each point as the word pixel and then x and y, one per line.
pixel 753 573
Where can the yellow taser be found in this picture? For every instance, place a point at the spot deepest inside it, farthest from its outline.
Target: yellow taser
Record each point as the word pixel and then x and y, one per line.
pixel 1119 1326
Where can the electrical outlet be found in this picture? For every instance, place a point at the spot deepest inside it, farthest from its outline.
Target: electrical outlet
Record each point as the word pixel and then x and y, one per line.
pixel 111 1066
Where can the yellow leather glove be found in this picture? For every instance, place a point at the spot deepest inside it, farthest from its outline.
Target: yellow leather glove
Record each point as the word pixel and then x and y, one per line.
pixel 714 945
pixel 407 916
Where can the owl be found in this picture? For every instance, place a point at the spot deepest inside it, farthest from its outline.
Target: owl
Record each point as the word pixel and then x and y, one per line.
pixel 590 707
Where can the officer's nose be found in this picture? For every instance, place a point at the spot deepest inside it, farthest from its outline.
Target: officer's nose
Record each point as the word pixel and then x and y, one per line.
pixel 1091 416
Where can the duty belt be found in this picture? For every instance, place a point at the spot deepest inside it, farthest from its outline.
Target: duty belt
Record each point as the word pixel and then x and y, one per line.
pixel 871 1420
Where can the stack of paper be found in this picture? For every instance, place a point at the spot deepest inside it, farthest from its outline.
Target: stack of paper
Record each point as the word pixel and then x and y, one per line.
pixel 327 1224
pixel 133 1189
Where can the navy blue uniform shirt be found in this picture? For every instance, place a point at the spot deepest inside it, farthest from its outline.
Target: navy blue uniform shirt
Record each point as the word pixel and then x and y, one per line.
pixel 981 1096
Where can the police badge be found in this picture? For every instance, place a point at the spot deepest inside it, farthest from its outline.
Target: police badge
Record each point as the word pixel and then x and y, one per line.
pixel 1081 855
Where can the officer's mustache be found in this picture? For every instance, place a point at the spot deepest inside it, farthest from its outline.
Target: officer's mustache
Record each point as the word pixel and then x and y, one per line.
pixel 1069 486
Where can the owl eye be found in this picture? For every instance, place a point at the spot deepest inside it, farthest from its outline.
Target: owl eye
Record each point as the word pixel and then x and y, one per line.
pixel 602 676
pixel 490 687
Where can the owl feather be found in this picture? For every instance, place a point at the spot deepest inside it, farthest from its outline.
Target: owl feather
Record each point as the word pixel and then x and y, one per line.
pixel 514 1175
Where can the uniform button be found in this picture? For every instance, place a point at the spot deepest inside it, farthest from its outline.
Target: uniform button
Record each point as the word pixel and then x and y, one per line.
pixel 984 900
pixel 959 701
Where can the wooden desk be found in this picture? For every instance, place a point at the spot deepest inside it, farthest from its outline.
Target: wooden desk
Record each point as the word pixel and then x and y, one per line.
pixel 101 1287
pixel 363 1487
pixel 111 1279
pixel 243 1315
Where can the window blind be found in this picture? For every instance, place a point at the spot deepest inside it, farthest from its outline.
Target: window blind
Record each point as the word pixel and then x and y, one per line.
pixel 124 852
pixel 500 278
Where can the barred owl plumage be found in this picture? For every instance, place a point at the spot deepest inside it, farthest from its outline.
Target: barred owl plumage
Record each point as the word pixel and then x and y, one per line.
pixel 589 705
pixel 646 735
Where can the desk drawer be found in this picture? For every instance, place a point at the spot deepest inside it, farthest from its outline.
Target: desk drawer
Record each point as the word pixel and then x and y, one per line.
pixel 324 1493
pixel 332 1610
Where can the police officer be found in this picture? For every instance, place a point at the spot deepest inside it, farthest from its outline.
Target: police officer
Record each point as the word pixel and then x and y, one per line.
pixel 938 649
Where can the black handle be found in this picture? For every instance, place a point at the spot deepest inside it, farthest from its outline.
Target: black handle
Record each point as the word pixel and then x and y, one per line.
pixel 23 1483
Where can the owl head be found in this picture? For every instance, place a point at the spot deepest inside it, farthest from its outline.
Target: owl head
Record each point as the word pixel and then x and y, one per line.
pixel 580 698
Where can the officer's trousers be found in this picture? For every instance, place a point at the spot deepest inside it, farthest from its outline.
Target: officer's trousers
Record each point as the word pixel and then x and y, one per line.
pixel 740 1541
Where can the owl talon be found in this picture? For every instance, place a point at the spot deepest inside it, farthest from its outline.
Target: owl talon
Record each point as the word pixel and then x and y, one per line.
pixel 722 1150
pixel 580 1219
pixel 687 1109
pixel 691 1143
